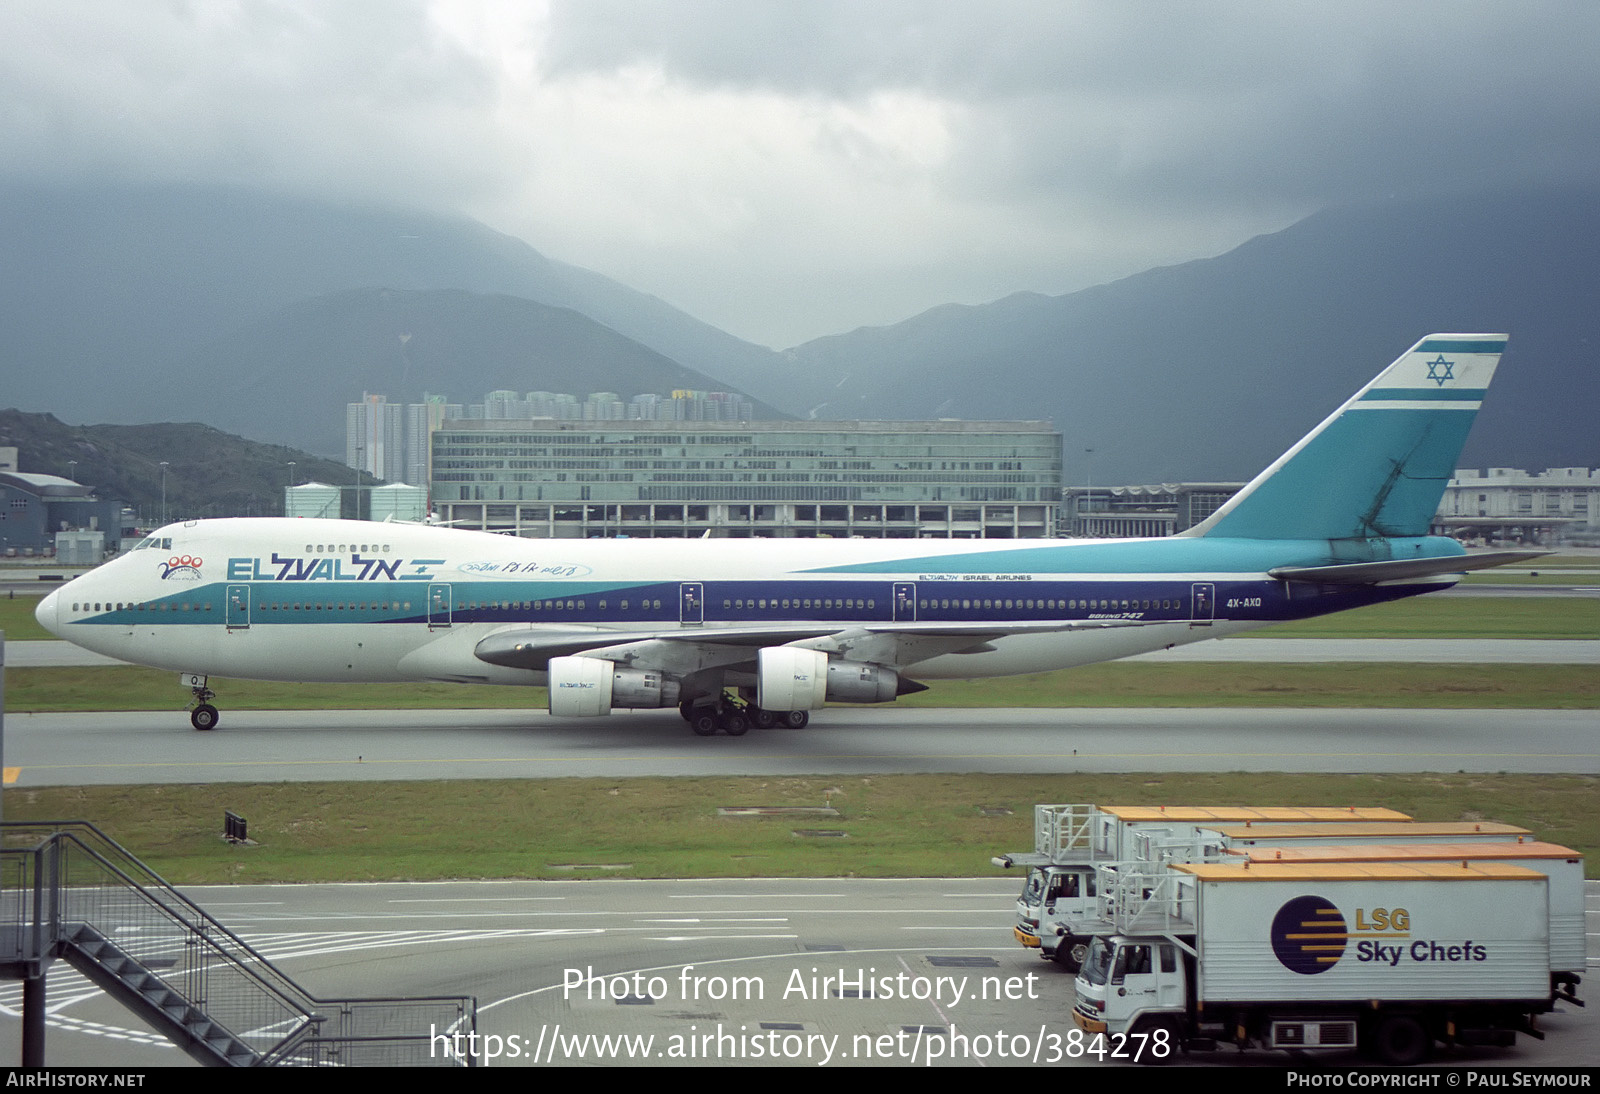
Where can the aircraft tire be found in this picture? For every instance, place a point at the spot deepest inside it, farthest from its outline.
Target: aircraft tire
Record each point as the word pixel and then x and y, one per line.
pixel 204 717
pixel 704 723
pixel 795 719
pixel 762 719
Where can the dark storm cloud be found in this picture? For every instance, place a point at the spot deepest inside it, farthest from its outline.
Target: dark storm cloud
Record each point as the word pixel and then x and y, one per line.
pixel 320 96
pixel 1242 103
pixel 790 169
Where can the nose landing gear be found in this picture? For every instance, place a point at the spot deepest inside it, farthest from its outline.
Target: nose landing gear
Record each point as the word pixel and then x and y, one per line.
pixel 202 715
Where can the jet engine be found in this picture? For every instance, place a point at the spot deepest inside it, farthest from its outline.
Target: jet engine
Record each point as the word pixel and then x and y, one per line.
pixel 585 687
pixel 860 682
pixel 792 678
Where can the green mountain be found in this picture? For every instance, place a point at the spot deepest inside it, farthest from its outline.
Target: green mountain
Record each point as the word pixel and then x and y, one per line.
pixel 209 473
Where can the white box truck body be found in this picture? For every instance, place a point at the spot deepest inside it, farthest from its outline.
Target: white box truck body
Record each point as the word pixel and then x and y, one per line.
pixel 1387 956
pixel 1562 866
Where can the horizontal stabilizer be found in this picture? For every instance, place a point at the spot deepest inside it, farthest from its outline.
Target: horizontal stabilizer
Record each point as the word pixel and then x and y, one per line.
pixel 1370 573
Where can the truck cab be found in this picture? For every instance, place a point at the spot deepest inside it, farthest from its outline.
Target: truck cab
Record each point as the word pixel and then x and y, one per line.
pixel 1133 985
pixel 1057 902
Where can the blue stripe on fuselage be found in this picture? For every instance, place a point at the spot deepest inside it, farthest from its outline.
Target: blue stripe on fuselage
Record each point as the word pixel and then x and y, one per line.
pixel 1093 583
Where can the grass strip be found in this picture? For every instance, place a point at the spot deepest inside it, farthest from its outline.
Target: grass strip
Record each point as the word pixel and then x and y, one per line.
pixel 1587 579
pixel 1114 684
pixel 895 826
pixel 17 622
pixel 1562 617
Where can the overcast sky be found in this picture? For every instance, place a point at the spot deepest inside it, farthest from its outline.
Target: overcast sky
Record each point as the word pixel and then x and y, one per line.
pixel 785 170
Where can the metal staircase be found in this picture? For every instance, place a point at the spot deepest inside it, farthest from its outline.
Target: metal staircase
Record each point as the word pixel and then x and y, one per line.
pixel 67 891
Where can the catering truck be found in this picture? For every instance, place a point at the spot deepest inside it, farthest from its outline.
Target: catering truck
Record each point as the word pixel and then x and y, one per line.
pixel 1057 912
pixel 1385 956
pixel 1561 865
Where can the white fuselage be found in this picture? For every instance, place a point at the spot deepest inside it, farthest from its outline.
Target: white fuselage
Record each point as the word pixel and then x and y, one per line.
pixel 315 600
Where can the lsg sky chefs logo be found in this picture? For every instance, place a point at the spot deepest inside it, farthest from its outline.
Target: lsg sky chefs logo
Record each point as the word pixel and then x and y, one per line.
pixel 1310 936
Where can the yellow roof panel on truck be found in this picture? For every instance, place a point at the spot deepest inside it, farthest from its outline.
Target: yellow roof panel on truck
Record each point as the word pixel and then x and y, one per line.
pixel 1259 814
pixel 1400 830
pixel 1353 871
pixel 1409 852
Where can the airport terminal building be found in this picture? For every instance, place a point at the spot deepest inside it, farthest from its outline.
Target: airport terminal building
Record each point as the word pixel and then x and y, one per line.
pixel 36 509
pixel 1159 509
pixel 1508 505
pixel 558 479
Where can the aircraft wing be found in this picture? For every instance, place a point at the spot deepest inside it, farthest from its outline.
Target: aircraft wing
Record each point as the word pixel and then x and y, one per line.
pixel 688 649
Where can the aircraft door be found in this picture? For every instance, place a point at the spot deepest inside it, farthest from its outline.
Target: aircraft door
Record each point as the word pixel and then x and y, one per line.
pixel 691 603
pixel 905 602
pixel 1204 606
pixel 238 609
pixel 439 605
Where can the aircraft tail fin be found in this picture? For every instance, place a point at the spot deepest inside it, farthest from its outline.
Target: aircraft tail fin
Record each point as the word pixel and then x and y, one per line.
pixel 1378 465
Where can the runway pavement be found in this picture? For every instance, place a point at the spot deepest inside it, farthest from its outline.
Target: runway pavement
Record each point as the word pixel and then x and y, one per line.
pixel 261 746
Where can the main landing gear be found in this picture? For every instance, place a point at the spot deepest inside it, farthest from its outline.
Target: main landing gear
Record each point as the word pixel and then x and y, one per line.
pixel 202 715
pixel 735 717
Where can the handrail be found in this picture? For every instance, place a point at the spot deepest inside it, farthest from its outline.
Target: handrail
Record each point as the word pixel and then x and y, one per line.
pixel 46 864
pixel 294 995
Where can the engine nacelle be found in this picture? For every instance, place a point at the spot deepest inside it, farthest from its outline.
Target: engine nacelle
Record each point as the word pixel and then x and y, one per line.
pixel 586 687
pixel 643 690
pixel 859 682
pixel 790 678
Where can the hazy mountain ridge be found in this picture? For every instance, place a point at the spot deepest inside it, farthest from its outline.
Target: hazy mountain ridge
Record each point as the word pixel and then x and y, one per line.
pixel 403 343
pixel 104 290
pixel 258 311
pixel 1210 368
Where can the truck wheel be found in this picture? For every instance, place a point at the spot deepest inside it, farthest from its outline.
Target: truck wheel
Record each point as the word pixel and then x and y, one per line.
pixel 1400 1041
pixel 1070 953
pixel 1161 1046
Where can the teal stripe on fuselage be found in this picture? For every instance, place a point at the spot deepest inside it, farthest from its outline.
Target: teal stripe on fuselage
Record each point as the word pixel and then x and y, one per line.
pixel 1159 556
pixel 334 602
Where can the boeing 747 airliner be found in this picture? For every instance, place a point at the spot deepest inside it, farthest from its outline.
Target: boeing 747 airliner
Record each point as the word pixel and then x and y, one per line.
pixel 736 633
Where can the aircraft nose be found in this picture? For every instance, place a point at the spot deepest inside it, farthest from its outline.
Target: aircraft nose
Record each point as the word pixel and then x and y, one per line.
pixel 48 614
